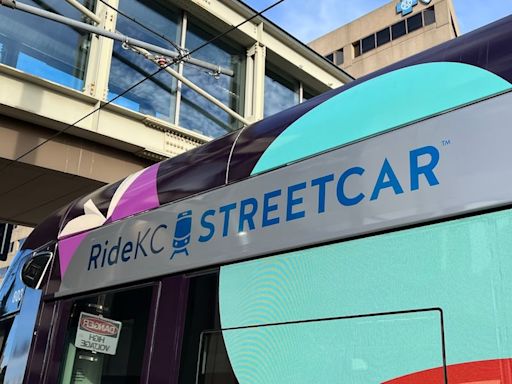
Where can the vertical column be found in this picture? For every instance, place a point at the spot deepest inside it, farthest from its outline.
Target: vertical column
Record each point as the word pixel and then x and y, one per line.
pixel 100 55
pixel 179 85
pixel 255 83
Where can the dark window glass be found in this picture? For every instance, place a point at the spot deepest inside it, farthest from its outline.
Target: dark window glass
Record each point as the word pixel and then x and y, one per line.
pixel 280 93
pixel 357 49
pixel 34 268
pixel 5 327
pixel 197 113
pixel 45 48
pixel 398 29
pixel 201 334
pixel 339 57
pixel 429 16
pixel 368 43
pixel 383 37
pixel 131 308
pixel 308 94
pixel 157 95
pixel 414 23
pixel 214 365
pixel 330 57
pixel 5 240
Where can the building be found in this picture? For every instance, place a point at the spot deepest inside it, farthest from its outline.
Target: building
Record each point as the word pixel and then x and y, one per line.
pixel 54 77
pixel 11 238
pixel 391 33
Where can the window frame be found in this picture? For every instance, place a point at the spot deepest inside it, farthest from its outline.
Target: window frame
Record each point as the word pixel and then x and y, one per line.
pixel 417 17
pixel 64 309
pixel 401 22
pixel 430 10
pixel 388 29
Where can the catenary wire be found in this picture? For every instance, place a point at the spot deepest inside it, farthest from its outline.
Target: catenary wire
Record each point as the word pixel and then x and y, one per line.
pixel 162 36
pixel 171 62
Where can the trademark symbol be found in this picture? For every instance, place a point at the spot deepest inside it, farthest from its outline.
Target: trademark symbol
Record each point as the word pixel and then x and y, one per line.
pixel 446 142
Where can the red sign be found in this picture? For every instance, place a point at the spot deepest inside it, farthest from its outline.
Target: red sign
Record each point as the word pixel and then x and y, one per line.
pixel 97 333
pixel 99 326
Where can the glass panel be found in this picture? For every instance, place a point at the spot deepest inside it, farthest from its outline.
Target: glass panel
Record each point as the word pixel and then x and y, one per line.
pixel 357 49
pixel 383 37
pixel 414 23
pixel 89 364
pixel 330 57
pixel 156 96
pixel 339 57
pixel 43 47
pixel 368 43
pixel 5 327
pixel 5 240
pixel 429 16
pixel 202 315
pixel 280 93
pixel 214 366
pixel 197 113
pixel 308 94
pixel 398 29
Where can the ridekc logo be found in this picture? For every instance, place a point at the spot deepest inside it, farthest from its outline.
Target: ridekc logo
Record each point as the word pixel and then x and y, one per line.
pixel 181 234
pixel 153 240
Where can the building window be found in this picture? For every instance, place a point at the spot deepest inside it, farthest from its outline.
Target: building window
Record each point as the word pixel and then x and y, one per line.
pixel 383 37
pixel 429 16
pixel 398 30
pixel 357 48
pixel 339 57
pixel 280 93
pixel 159 96
pixel 414 23
pixel 368 43
pixel 307 94
pixel 336 57
pixel 45 48
pixel 197 113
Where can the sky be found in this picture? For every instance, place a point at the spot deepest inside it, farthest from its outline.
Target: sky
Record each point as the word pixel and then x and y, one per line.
pixel 309 19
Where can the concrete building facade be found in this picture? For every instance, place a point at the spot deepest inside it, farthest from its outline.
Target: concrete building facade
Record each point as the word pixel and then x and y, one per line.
pixel 391 33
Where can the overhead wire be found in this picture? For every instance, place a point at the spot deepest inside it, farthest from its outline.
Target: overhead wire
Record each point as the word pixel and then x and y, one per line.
pixel 171 62
pixel 140 24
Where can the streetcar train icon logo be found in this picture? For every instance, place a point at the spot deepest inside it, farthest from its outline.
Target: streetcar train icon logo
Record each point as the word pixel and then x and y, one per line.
pixel 182 233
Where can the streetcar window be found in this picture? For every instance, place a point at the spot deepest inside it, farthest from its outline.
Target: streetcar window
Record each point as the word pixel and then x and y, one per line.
pixel 204 357
pixel 106 338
